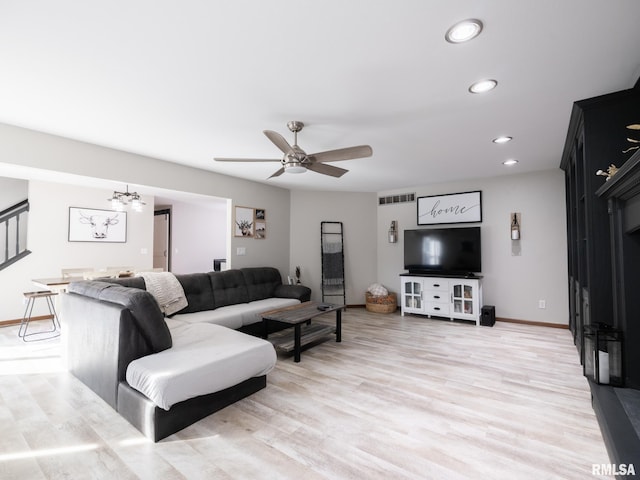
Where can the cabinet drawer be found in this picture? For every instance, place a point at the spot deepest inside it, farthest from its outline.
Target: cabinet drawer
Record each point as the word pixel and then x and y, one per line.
pixel 437 309
pixel 436 284
pixel 436 296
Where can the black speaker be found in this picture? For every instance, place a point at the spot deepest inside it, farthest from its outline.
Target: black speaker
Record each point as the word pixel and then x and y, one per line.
pixel 488 316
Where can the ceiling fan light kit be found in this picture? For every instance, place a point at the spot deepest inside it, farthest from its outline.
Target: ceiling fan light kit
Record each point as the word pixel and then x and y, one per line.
pixel 296 160
pixel 294 167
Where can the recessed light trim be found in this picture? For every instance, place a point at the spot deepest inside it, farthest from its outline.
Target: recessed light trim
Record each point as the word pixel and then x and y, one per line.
pixel 502 139
pixel 464 31
pixel 510 162
pixel 483 86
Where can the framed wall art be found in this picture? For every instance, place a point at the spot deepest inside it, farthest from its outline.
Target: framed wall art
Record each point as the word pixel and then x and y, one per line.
pixel 463 207
pixel 91 225
pixel 260 223
pixel 250 223
pixel 261 230
pixel 244 222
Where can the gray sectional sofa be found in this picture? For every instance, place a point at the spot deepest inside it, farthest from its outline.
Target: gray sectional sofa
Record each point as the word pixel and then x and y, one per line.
pixel 165 373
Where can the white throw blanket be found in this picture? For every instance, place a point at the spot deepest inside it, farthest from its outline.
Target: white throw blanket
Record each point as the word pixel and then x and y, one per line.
pixel 166 289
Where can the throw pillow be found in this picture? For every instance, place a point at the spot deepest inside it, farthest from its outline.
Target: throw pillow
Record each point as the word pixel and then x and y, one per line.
pixel 377 290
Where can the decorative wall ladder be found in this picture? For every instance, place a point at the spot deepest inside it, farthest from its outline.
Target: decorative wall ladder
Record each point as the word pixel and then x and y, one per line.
pixel 332 251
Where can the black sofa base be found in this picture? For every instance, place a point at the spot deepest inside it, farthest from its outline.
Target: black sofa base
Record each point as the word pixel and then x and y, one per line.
pixel 156 423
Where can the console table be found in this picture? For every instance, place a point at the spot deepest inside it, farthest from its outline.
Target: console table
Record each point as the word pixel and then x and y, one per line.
pixel 450 297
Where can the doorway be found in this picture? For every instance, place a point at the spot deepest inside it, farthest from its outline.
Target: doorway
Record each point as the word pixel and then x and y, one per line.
pixel 162 239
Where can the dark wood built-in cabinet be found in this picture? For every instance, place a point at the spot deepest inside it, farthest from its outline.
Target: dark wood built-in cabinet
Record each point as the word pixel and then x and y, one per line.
pixel 597 137
pixel 603 235
pixel 622 193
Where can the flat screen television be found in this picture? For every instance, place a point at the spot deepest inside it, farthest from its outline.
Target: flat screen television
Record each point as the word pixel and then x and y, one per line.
pixel 446 251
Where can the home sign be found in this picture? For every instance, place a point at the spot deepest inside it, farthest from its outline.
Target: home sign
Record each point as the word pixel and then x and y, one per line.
pixel 463 207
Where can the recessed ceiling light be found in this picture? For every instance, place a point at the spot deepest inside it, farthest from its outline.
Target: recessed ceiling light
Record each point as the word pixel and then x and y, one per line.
pixel 510 162
pixel 502 139
pixel 483 86
pixel 464 31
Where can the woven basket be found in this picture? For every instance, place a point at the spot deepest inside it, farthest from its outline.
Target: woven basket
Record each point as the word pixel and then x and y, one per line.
pixel 381 303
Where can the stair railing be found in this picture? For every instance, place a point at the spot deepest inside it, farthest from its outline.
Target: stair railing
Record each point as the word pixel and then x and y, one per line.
pixel 13 233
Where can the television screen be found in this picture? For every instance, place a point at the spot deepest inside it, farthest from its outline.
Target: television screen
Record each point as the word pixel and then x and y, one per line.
pixel 443 250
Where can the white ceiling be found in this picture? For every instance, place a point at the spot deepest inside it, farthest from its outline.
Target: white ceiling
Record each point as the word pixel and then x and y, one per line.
pixel 186 81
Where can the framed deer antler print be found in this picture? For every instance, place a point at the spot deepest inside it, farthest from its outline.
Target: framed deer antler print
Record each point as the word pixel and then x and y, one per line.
pixel 244 222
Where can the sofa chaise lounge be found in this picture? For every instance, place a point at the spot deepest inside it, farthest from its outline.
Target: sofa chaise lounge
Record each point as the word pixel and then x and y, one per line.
pixel 163 374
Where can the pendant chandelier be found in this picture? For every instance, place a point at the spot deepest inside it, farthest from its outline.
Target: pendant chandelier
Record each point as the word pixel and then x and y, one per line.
pixel 121 199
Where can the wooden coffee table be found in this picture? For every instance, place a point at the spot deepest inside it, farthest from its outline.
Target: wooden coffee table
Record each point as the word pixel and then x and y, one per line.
pixel 297 315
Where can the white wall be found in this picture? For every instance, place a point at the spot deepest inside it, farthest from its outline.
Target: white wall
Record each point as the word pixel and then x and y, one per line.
pixel 48 241
pixel 357 211
pixel 198 235
pixel 12 191
pixel 273 250
pixel 38 155
pixel 513 283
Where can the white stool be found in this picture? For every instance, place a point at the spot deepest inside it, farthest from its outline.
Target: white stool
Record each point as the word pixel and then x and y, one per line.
pixel 24 324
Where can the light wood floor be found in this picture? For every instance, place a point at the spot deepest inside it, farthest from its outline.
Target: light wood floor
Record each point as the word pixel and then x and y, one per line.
pixel 399 398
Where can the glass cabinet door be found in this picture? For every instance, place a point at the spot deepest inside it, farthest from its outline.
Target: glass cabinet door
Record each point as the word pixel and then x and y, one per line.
pixel 468 299
pixel 413 295
pixel 462 297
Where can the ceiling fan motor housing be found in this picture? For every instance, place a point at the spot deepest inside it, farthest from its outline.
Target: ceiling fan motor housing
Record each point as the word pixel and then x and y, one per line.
pixel 294 161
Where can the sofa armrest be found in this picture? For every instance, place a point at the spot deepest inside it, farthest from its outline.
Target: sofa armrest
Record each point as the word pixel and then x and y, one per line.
pixel 299 292
pixel 101 339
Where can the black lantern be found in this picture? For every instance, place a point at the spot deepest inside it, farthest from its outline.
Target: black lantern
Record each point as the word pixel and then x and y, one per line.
pixel 603 354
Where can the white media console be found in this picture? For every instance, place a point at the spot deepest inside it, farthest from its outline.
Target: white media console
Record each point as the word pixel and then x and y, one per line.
pixel 449 297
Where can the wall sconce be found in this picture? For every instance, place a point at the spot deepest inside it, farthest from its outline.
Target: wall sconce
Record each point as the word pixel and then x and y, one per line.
pixel 393 232
pixel 515 226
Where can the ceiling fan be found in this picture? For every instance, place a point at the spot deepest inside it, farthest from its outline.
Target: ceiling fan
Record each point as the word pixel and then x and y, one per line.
pixel 296 160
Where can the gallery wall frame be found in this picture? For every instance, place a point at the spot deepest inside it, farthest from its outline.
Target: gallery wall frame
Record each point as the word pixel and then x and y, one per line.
pixel 94 225
pixel 243 222
pixel 261 224
pixel 261 230
pixel 464 207
pixel 250 222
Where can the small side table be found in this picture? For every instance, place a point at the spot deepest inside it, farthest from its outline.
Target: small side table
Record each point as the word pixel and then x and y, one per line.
pixel 24 324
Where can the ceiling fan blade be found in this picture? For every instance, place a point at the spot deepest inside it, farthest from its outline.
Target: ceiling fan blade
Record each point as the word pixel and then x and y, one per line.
pixel 348 153
pixel 246 160
pixel 327 169
pixel 278 173
pixel 279 141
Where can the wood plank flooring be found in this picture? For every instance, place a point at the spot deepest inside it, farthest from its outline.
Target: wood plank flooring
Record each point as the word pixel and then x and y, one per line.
pixel 399 398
